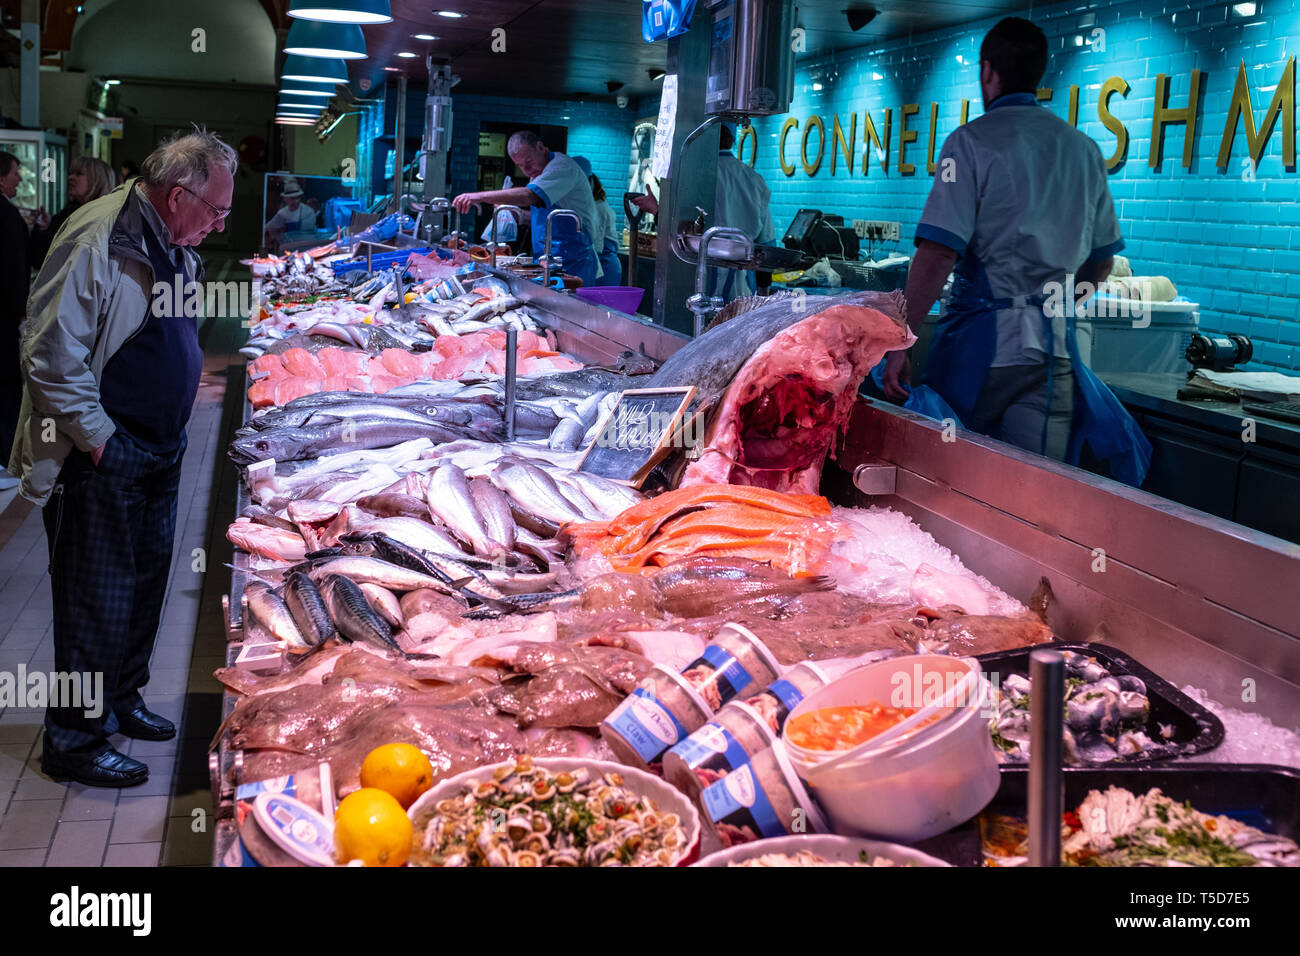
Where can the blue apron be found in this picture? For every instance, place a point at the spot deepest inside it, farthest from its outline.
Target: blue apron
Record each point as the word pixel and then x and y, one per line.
pixel 567 242
pixel 962 351
pixel 610 262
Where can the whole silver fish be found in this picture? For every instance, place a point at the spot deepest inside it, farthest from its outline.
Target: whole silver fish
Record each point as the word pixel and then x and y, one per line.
pixel 567 435
pixel 307 606
pixel 535 491
pixel 364 570
pixel 384 603
pixel 609 497
pixel 495 509
pixel 451 502
pixel 414 532
pixel 295 444
pixel 269 609
pixel 355 619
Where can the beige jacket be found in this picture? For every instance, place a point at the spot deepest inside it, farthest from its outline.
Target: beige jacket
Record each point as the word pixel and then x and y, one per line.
pixel 92 295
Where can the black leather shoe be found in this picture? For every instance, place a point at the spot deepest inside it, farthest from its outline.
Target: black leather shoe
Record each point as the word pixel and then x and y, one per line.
pixel 104 767
pixel 143 724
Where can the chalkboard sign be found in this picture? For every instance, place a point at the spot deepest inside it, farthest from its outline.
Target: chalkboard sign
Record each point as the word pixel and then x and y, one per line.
pixel 637 433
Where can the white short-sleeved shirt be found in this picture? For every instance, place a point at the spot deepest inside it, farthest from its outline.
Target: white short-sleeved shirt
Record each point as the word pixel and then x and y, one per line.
pixel 563 185
pixel 1022 197
pixel 604 226
pixel 743 199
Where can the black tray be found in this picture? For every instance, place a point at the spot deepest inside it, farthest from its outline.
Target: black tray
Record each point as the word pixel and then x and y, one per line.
pixel 1260 795
pixel 1195 728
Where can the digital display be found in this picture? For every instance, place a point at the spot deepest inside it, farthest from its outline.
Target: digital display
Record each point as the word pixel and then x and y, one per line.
pixel 717 92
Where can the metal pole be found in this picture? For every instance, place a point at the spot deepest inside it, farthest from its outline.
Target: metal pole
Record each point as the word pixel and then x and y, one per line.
pixel 512 338
pixel 399 145
pixel 1046 731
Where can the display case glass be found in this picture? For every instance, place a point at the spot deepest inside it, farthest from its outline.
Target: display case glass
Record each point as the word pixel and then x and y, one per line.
pixel 44 157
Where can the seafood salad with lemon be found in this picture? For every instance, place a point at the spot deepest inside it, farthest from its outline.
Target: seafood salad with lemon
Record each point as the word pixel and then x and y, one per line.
pixel 527 816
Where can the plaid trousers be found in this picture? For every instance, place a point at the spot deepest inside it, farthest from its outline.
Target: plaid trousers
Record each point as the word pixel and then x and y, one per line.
pixel 110 529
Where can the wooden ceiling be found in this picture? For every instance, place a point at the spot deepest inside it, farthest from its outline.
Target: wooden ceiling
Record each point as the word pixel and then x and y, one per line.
pixel 570 48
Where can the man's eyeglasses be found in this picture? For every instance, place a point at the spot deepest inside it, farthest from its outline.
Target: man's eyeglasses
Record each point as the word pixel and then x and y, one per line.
pixel 216 210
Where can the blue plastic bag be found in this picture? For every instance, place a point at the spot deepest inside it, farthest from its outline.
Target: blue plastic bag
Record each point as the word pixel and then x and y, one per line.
pixel 663 19
pixel 921 399
pixel 385 228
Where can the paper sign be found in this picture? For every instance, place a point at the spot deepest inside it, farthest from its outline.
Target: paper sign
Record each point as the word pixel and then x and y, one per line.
pixel 662 162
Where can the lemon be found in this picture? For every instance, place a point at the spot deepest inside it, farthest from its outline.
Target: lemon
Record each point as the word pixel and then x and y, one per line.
pixel 399 769
pixel 371 826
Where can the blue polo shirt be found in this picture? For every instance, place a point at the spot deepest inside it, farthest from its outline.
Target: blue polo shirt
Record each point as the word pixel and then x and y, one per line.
pixel 1023 198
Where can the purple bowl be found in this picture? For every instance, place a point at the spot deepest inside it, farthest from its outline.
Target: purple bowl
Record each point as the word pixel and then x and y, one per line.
pixel 620 297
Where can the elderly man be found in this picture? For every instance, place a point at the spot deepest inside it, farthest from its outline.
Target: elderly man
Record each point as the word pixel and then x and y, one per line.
pixel 111 375
pixel 555 182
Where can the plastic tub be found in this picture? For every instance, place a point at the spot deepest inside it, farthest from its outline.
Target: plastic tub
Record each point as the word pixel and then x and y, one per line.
pixel 775 702
pixel 730 740
pixel 763 798
pixel 622 298
pixel 911 788
pixel 734 664
pixel 1121 335
pixel 662 711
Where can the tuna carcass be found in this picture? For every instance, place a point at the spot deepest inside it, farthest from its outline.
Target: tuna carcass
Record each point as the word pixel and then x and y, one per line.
pixel 776 383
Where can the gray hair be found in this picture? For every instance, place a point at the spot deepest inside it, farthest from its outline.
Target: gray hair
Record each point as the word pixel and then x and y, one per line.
pixel 186 160
pixel 524 138
pixel 100 178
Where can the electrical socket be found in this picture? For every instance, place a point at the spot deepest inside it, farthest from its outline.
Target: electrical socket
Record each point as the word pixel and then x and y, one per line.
pixel 877 229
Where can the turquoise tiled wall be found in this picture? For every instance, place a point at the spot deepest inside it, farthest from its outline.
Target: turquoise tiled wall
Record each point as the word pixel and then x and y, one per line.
pixel 1229 242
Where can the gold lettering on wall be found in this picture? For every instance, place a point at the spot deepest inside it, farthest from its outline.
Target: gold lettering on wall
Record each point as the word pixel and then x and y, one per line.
pixel 878 144
pixel 1113 85
pixel 965 111
pixel 1074 105
pixel 930 165
pixel 1283 103
pixel 789 124
pixel 1044 94
pixel 1163 115
pixel 906 136
pixel 849 147
pixel 748 134
pixel 814 121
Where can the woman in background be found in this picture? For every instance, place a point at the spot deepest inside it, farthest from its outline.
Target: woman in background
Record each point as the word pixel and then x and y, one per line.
pixel 88 179
pixel 607 242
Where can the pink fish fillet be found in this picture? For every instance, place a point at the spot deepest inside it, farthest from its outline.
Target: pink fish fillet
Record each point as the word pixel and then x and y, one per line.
pixel 296 386
pixel 343 361
pixel 401 363
pixel 302 362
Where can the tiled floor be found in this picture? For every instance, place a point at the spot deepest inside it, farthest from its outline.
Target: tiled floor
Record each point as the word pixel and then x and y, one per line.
pixel 167 820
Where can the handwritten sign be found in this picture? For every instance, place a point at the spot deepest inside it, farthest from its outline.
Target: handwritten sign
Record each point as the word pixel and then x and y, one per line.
pixel 637 433
pixel 662 161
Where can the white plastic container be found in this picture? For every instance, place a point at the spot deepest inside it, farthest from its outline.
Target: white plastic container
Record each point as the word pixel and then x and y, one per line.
pixel 1124 339
pixel 911 788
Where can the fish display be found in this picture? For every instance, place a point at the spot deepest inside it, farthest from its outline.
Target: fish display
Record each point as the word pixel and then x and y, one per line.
pixel 431 583
pixel 776 384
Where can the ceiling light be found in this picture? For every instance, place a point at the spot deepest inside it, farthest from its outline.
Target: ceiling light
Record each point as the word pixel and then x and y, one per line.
pixel 299 88
pixel 342 11
pixel 406 55
pixel 311 69
pixel 817 87
pixel 1244 9
pixel 113 82
pixel 655 74
pixel 451 14
pixel 423 36
pixel 313 38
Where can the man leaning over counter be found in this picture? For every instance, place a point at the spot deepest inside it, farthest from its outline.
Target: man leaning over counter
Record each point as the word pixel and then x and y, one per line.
pixel 555 182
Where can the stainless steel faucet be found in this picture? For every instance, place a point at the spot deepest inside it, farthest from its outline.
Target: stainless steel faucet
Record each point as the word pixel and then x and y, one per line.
pixel 546 272
pixel 518 215
pixel 704 306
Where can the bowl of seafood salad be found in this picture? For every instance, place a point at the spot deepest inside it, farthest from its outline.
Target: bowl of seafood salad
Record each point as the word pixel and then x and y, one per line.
pixel 820 850
pixel 554 812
